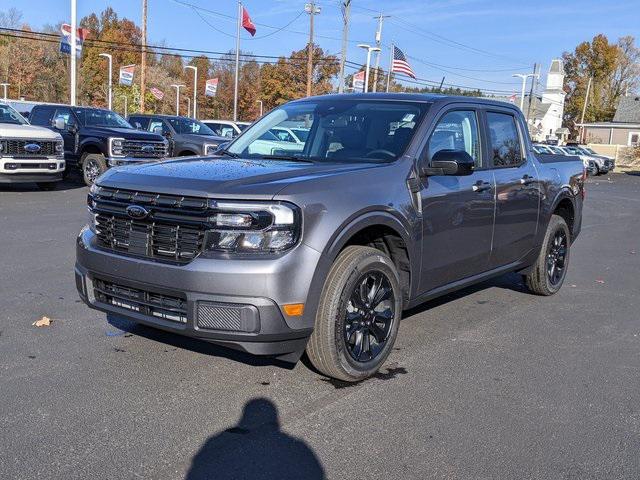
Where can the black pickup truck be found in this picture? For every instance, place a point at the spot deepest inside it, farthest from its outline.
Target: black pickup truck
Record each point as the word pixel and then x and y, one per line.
pixel 96 139
pixel 393 200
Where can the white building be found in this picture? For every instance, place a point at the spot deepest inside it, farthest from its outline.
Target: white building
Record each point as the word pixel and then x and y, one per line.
pixel 546 119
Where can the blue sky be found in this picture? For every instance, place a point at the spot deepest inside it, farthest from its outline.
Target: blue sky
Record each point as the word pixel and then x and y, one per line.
pixel 472 43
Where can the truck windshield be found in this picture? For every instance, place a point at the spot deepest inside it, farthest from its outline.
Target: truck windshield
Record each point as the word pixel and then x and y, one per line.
pixel 9 115
pixel 341 130
pixel 186 125
pixel 101 118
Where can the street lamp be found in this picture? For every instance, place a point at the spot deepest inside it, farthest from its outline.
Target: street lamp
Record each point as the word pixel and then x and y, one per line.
pixel 5 85
pixel 260 102
pixel 188 106
pixel 369 49
pixel 177 87
pixel 110 60
pixel 524 77
pixel 195 87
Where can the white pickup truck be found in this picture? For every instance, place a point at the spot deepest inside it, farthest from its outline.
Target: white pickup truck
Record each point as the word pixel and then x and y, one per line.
pixel 29 153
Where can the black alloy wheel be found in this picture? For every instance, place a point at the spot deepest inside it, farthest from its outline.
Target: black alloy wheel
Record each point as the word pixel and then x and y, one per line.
pixel 370 313
pixel 556 257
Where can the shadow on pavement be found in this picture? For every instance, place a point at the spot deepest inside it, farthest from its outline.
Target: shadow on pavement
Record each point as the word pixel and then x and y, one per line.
pixel 193 344
pixel 255 448
pixel 71 182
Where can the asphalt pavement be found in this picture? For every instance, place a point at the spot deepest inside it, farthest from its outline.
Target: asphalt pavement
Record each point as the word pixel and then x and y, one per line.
pixel 490 382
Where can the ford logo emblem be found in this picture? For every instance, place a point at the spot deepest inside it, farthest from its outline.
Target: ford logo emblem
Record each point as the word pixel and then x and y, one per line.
pixel 148 148
pixel 137 212
pixel 32 148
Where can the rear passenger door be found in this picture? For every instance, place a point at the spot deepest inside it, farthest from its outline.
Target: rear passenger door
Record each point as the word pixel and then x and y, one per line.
pixel 457 211
pixel 517 188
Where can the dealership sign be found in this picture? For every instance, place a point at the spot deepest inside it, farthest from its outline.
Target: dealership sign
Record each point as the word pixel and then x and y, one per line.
pixel 65 39
pixel 211 87
pixel 358 82
pixel 126 75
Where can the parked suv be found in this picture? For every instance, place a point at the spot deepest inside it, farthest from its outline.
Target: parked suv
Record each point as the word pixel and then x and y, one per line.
pixel 394 199
pixel 28 153
pixel 226 128
pixel 96 139
pixel 186 136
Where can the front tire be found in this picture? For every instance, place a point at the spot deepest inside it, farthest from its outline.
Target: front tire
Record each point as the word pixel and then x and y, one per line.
pixel 358 315
pixel 550 269
pixel 93 165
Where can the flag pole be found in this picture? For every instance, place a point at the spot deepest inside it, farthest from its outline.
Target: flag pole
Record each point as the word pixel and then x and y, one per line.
pixel 235 88
pixel 390 68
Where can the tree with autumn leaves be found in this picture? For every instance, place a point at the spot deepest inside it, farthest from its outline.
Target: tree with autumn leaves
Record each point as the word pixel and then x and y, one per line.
pixel 614 69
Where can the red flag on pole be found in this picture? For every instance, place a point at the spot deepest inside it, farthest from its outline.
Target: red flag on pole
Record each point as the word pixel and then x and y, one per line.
pixel 247 24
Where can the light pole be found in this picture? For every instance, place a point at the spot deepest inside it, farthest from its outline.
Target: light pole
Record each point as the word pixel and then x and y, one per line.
pixel 110 60
pixel 126 112
pixel 177 87
pixel 5 85
pixel 74 33
pixel 188 106
pixel 369 49
pixel 195 87
pixel 524 77
pixel 260 102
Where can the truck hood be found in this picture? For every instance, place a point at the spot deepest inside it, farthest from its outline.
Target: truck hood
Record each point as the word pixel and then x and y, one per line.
pixel 126 133
pixel 29 132
pixel 220 177
pixel 202 139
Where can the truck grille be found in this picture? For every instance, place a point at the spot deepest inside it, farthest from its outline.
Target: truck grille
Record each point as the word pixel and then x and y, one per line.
pixel 174 229
pixel 144 149
pixel 141 301
pixel 16 148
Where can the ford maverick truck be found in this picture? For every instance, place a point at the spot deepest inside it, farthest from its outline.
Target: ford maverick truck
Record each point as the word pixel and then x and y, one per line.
pixel 393 200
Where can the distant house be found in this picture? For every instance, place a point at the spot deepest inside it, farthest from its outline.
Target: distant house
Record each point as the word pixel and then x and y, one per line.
pixel 544 112
pixel 623 130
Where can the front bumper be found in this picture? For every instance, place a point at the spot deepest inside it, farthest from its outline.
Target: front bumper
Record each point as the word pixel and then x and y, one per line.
pixel 228 301
pixel 18 170
pixel 119 161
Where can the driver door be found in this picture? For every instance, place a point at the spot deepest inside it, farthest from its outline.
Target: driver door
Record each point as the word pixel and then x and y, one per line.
pixel 457 210
pixel 70 130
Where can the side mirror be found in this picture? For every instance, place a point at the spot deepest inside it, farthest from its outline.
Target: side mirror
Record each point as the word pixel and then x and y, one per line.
pixel 157 130
pixel 450 162
pixel 59 123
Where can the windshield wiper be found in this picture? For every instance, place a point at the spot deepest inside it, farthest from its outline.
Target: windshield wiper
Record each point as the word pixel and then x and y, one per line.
pixel 227 153
pixel 292 158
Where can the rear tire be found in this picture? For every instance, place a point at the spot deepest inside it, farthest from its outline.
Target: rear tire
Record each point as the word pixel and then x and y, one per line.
pixel 93 165
pixel 550 269
pixel 47 186
pixel 358 315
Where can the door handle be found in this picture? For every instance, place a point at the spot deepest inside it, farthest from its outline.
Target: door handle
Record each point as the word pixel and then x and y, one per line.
pixel 527 179
pixel 481 186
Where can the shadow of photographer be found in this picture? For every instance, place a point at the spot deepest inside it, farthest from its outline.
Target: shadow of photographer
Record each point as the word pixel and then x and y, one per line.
pixel 255 448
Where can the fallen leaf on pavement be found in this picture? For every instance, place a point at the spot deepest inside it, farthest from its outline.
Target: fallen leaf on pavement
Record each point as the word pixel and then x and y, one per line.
pixel 632 252
pixel 43 322
pixel 599 281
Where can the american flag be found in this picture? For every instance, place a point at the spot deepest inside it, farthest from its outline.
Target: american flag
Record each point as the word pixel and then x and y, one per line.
pixel 156 92
pixel 400 63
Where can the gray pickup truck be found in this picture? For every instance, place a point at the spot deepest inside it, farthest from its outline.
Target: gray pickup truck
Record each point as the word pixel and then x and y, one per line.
pixel 395 199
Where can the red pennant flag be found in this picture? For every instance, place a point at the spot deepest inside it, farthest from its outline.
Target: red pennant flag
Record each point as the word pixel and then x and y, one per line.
pixel 247 24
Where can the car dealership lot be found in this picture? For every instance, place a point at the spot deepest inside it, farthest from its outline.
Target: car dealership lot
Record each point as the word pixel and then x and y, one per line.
pixel 490 382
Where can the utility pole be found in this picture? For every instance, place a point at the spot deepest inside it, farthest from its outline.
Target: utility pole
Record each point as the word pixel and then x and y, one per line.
pixel 312 9
pixel 534 76
pixel 177 87
pixel 440 87
pixel 584 107
pixel 345 39
pixel 109 76
pixel 74 41
pixel 143 64
pixel 378 41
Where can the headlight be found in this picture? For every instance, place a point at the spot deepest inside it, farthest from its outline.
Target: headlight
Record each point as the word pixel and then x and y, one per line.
pixel 253 227
pixel 116 147
pixel 210 148
pixel 3 148
pixel 59 148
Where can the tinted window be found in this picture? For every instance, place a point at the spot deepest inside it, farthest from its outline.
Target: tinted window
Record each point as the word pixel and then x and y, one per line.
pixel 457 130
pixel 283 135
pixel 341 130
pixel 101 118
pixel 505 145
pixel 155 123
pixel 66 115
pixel 41 116
pixel 186 125
pixel 141 123
pixel 9 115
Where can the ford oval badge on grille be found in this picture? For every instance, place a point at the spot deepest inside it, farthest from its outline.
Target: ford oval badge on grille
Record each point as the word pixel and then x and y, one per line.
pixel 137 212
pixel 148 148
pixel 32 148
